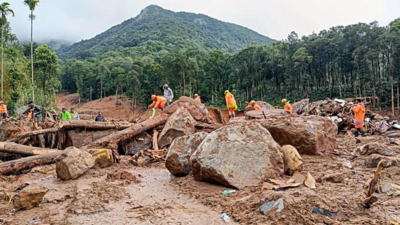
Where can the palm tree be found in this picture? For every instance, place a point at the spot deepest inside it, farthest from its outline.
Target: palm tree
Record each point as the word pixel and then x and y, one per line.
pixel 32 6
pixel 4 10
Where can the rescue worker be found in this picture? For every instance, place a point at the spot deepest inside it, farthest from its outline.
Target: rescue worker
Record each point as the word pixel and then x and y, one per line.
pixel 197 98
pixel 168 94
pixel 65 114
pixel 288 107
pixel 36 112
pixel 99 118
pixel 255 105
pixel 158 102
pixel 74 115
pixel 359 111
pixel 230 104
pixel 3 110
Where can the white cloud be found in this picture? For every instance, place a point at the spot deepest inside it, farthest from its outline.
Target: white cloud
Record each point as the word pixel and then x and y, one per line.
pixel 74 20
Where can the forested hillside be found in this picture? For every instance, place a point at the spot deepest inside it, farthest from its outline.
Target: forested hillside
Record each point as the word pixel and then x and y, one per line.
pixel 344 61
pixel 168 30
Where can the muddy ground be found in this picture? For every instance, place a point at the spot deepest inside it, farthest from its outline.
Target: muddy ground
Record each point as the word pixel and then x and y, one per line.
pixel 126 194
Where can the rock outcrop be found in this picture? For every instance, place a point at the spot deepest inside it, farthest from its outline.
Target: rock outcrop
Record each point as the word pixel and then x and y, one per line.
pixel 197 110
pixel 29 197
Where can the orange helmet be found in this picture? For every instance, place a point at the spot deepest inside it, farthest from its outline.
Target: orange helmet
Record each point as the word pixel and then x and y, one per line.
pixel 153 97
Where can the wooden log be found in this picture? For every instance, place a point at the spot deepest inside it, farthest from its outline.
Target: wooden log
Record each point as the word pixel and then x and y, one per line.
pixel 155 139
pixel 33 133
pixel 369 198
pixel 28 162
pixel 93 125
pixel 111 141
pixel 13 148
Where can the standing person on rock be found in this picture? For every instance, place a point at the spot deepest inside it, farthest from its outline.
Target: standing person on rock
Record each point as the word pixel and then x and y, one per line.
pixel 230 104
pixel 65 114
pixel 287 106
pixel 197 98
pixel 3 110
pixel 359 111
pixel 158 102
pixel 168 94
pixel 255 105
pixel 75 115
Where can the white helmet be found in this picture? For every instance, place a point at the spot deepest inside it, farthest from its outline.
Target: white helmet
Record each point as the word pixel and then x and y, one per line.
pixel 165 85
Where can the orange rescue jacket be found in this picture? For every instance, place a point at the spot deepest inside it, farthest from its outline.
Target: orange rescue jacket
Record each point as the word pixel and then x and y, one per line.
pixel 230 101
pixel 288 107
pixel 198 99
pixel 159 101
pixel 359 110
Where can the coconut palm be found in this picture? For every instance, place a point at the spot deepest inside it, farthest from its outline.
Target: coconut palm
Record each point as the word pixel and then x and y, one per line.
pixel 32 6
pixel 4 11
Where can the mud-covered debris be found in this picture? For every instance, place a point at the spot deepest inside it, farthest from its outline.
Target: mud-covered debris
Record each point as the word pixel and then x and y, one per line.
pixel 334 177
pixel 103 157
pixel 178 158
pixel 237 155
pixel 179 124
pixel 122 175
pixel 268 206
pixel 376 148
pixel 29 197
pixel 324 212
pixel 73 163
pixel 144 157
pixel 291 159
pixel 373 160
pixel 139 142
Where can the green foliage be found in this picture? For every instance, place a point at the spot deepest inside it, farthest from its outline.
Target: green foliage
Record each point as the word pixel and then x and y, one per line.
pixel 356 60
pixel 159 29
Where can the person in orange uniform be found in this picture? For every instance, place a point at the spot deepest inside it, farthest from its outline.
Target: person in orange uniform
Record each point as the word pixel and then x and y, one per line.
pixel 255 105
pixel 359 110
pixel 230 104
pixel 158 102
pixel 197 98
pixel 288 107
pixel 3 110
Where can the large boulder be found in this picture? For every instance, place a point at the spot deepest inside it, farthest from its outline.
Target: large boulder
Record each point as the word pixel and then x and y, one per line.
pixel 237 155
pixel 197 110
pixel 269 113
pixel 29 197
pixel 178 157
pixel 180 123
pixel 73 163
pixel 262 104
pixel 310 135
pixel 299 106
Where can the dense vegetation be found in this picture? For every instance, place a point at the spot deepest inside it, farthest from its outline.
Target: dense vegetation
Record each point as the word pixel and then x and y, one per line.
pixel 169 30
pixel 344 61
pixel 17 73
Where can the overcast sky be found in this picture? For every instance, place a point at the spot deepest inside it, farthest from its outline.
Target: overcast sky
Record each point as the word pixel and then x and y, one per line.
pixel 74 20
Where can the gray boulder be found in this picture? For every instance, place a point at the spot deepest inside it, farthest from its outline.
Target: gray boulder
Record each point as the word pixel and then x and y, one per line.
pixel 73 163
pixel 178 157
pixel 237 155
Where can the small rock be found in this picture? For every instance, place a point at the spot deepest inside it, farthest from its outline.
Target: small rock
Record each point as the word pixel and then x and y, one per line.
pixel 73 163
pixel 101 160
pixel 268 206
pixel 373 160
pixel 291 159
pixel 29 197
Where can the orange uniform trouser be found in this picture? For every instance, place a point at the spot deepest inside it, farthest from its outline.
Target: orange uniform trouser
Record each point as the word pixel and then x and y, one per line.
pixel 162 104
pixel 232 109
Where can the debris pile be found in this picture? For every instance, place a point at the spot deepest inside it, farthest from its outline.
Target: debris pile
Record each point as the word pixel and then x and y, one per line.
pixel 340 111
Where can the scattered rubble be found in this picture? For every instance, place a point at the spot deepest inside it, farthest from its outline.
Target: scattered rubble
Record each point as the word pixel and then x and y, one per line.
pixel 268 206
pixel 373 160
pixel 73 163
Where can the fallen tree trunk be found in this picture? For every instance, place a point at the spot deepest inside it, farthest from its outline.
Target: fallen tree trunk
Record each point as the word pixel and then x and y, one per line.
pixel 93 125
pixel 111 141
pixel 28 162
pixel 13 148
pixel 33 133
